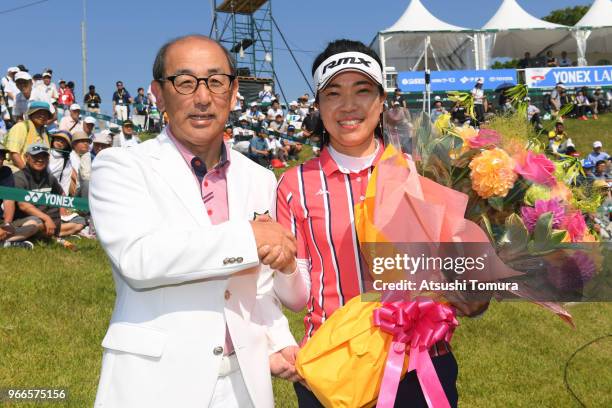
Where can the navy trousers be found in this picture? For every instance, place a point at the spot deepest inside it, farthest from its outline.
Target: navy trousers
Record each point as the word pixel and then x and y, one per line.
pixel 409 393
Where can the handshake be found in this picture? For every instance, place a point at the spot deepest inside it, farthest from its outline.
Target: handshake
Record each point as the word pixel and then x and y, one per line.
pixel 276 246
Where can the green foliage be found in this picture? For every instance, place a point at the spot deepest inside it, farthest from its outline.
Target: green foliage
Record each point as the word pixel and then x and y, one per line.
pixel 513 63
pixel 568 16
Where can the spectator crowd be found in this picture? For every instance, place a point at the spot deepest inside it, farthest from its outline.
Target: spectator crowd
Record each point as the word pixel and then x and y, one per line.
pixel 48 140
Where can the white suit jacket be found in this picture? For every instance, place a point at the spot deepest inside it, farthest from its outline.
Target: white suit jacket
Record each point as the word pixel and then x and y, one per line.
pixel 179 279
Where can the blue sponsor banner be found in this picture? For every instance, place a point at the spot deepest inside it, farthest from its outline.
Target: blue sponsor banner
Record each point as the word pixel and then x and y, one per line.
pixel 571 76
pixel 414 81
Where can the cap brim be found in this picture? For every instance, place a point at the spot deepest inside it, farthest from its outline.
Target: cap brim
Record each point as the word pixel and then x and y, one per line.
pixel 348 69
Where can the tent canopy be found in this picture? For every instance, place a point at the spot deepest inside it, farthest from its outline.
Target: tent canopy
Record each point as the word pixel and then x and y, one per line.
pixel 599 15
pixel 593 33
pixel 402 45
pixel 418 18
pixel 511 16
pixel 512 31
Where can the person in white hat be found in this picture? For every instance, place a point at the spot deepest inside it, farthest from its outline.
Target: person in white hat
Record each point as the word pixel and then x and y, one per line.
pixel 9 86
pixel 72 122
pixel 254 115
pixel 597 154
pixel 24 86
pixel 479 98
pixel 102 140
pixel 49 87
pixel 89 123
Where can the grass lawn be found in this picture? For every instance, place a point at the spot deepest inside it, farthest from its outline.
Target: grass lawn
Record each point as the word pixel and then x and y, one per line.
pixel 55 306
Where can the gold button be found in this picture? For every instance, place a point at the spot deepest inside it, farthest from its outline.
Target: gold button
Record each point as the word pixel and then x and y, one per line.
pixel 225 261
pixel 217 350
pixel 239 259
pixel 227 294
pixel 231 260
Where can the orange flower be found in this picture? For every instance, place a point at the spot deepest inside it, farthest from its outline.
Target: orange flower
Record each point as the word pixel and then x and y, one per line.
pixel 493 173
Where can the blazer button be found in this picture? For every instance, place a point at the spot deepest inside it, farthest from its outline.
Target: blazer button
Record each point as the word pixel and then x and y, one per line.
pixel 232 260
pixel 227 294
pixel 217 350
pixel 239 259
pixel 225 261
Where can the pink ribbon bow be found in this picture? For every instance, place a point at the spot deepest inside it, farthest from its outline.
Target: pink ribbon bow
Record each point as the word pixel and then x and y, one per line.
pixel 416 326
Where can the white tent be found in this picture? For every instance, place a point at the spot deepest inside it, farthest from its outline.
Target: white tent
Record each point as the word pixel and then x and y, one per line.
pixel 512 31
pixel 419 38
pixel 591 36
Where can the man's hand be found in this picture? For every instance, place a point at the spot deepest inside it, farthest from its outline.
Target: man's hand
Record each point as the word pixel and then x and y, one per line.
pixel 275 245
pixel 49 226
pixel 282 364
pixel 3 235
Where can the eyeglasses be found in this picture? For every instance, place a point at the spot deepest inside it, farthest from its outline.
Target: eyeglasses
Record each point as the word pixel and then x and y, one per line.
pixel 187 84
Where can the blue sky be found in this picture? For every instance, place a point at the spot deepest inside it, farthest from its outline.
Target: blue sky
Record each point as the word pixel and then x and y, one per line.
pixel 123 36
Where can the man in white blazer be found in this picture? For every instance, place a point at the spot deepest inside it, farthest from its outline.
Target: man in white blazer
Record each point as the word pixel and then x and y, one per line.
pixel 191 326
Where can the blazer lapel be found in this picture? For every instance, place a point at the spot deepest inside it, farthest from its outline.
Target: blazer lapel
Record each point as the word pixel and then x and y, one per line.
pixel 171 167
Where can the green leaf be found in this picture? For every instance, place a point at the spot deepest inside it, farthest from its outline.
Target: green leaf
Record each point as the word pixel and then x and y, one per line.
pixel 542 234
pixel 486 224
pixel 497 203
pixel 515 240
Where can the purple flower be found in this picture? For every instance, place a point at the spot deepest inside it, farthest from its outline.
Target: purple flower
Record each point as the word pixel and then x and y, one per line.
pixel 573 273
pixel 530 215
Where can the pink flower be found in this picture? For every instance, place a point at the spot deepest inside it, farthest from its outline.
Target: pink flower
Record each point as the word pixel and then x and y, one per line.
pixel 530 215
pixel 537 168
pixel 575 226
pixel 485 137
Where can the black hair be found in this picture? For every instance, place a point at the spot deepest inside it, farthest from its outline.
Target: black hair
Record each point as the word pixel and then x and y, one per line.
pixel 338 47
pixel 92 87
pixel 600 162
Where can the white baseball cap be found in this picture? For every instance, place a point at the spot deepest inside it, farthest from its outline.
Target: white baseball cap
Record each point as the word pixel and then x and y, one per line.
pixel 90 119
pixel 596 144
pixel 75 106
pixel 13 69
pixel 254 104
pixel 103 138
pixel 437 98
pixel 46 74
pixel 23 75
pixel 293 103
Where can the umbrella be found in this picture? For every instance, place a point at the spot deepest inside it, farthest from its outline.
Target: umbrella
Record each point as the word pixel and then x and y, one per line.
pixel 504 86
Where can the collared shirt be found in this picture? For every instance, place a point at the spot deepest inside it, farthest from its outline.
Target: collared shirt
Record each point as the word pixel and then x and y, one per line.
pixel 21 105
pixel 121 98
pixel 121 141
pixel 258 143
pixel 69 124
pixel 595 157
pixel 212 183
pixel 21 136
pixel 325 228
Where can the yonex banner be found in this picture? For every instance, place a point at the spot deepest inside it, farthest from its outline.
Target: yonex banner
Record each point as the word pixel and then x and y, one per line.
pixel 414 81
pixel 47 199
pixel 570 76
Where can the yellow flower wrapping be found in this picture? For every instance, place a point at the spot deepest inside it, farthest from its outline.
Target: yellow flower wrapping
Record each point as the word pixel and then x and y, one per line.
pixel 343 362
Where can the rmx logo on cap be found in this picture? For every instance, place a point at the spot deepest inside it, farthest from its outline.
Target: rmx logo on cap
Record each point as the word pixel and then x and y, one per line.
pixel 347 61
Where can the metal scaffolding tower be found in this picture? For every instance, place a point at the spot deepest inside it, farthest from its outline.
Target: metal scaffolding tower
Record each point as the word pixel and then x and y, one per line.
pixel 245 28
